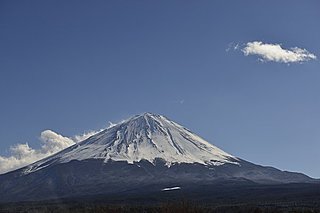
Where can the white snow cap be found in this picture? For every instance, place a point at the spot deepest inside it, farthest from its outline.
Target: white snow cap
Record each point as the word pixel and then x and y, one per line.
pixel 145 137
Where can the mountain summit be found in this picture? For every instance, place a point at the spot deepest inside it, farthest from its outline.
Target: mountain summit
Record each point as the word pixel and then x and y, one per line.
pixel 144 154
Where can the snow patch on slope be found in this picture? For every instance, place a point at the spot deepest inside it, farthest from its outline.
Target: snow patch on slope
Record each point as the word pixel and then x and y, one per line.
pixel 171 189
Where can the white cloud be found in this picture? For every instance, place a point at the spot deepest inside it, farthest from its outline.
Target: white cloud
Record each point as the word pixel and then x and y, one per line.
pixel 85 135
pixel 23 154
pixel 274 52
pixel 51 142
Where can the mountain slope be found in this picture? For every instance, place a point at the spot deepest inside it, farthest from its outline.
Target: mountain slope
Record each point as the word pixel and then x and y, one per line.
pixel 144 153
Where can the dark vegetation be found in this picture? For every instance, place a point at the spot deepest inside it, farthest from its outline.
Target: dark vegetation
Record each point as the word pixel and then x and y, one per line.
pixel 183 206
pixel 225 196
pixel 177 207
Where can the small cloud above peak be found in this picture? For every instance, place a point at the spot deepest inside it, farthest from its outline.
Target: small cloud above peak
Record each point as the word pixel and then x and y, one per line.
pixel 276 53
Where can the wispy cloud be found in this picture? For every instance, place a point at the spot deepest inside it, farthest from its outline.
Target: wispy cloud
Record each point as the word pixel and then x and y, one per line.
pixel 276 53
pixel 51 142
pixel 232 46
pixel 85 135
pixel 178 101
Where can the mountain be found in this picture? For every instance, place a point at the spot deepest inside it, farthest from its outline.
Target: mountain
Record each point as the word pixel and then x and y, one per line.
pixel 143 137
pixel 145 154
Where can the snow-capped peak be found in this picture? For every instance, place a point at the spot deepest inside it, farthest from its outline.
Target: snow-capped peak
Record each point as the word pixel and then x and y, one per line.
pixel 145 137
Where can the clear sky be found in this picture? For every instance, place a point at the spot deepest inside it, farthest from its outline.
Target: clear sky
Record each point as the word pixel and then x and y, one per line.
pixel 72 66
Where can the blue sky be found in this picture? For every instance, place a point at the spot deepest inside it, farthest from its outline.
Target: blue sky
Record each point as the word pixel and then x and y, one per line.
pixel 73 66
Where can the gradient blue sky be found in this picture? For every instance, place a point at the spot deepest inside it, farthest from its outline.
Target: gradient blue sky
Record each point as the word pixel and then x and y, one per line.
pixel 72 66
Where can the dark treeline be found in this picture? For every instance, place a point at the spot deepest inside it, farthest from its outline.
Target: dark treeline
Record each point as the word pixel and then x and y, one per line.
pixel 177 207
